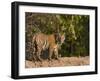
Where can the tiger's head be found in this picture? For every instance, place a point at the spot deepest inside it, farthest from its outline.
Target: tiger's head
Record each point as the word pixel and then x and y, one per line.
pixel 60 38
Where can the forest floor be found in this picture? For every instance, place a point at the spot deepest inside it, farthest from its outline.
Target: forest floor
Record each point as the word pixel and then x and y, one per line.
pixel 63 61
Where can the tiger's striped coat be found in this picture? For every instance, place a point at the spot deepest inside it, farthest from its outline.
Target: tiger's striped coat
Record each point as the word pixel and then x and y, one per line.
pixel 42 42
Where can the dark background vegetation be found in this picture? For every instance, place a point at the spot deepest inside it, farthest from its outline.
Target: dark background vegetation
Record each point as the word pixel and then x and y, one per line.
pixel 74 26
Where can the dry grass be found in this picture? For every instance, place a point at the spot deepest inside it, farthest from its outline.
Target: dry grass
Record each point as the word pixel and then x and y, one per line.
pixel 63 61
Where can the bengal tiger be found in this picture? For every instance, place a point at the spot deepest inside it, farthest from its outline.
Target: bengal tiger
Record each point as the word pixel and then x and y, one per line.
pixel 42 42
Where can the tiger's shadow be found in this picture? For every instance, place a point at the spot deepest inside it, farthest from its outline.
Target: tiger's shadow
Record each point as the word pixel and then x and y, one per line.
pixel 45 55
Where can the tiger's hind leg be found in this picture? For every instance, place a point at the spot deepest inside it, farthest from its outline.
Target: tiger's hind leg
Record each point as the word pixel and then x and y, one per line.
pixel 38 55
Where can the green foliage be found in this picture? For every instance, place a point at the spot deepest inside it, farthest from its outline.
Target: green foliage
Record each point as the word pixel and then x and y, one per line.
pixel 75 28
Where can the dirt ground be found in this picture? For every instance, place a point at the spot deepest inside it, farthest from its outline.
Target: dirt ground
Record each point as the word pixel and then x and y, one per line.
pixel 63 61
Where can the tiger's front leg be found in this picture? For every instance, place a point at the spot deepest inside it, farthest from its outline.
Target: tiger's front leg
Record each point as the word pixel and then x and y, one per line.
pixel 55 51
pixel 56 54
pixel 50 54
